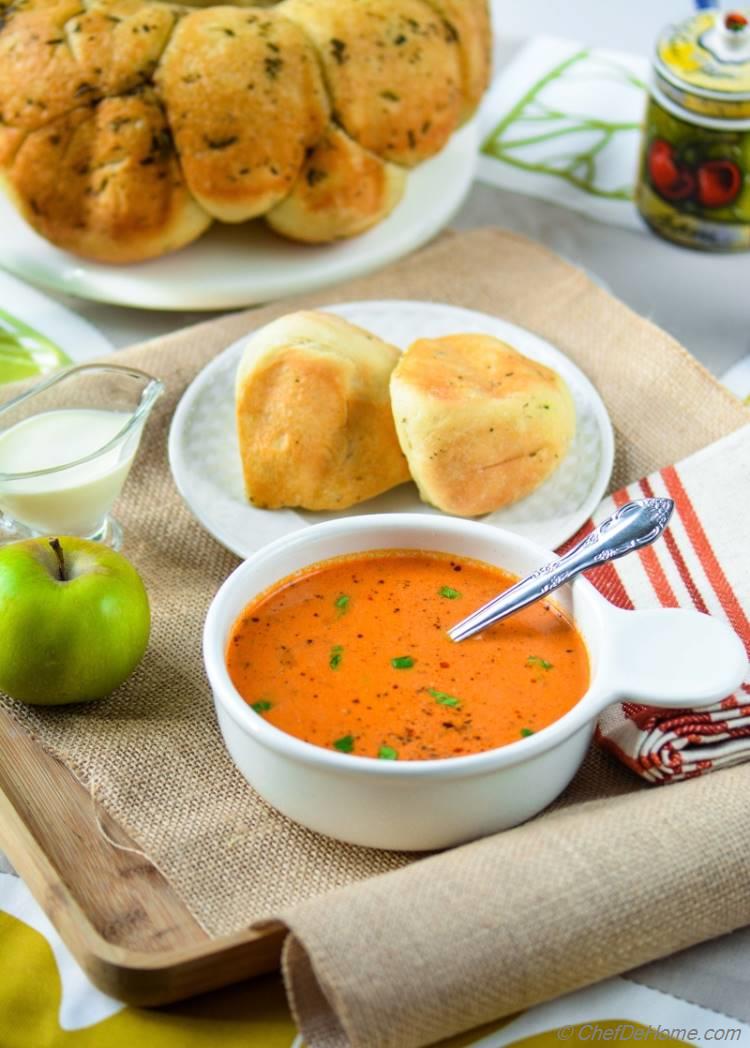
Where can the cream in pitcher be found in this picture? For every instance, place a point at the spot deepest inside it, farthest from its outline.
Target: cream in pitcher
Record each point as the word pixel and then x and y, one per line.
pixel 63 466
pixel 72 500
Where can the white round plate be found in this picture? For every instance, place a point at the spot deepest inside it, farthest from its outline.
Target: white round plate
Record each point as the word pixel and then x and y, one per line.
pixel 205 461
pixel 247 264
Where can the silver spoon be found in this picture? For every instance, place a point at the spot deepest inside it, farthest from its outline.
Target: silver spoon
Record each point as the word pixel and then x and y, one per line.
pixel 635 525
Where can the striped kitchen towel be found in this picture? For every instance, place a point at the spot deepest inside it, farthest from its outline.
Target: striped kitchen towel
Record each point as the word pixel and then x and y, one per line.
pixel 702 562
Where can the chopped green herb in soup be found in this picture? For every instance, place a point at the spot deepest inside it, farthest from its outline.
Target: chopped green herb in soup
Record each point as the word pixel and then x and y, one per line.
pixel 352 654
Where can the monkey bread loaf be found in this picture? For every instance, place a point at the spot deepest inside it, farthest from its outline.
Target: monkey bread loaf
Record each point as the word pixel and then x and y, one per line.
pixel 128 126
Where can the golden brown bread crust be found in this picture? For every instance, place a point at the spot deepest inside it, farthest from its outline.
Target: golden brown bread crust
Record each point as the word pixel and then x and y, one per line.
pixel 314 420
pixel 246 100
pixel 256 96
pixel 342 190
pixel 86 152
pixel 10 141
pixel 39 79
pixel 470 21
pixel 480 424
pixel 105 182
pixel 57 57
pixel 393 71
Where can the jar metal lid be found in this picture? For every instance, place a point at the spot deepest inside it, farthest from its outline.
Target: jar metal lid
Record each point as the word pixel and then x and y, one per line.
pixel 703 64
pixel 697 119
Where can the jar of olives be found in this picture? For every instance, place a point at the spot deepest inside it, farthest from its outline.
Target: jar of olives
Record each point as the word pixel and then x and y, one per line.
pixel 694 180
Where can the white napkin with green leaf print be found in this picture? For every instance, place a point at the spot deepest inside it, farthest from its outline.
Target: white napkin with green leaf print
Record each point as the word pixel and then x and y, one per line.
pixel 562 122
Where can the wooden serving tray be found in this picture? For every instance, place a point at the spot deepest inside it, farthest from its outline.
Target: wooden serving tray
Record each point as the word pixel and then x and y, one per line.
pixel 115 912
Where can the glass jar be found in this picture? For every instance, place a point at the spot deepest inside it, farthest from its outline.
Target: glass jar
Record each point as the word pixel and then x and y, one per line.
pixel 694 177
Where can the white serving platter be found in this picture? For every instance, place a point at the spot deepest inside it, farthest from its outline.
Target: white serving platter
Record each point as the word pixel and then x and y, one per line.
pixel 243 265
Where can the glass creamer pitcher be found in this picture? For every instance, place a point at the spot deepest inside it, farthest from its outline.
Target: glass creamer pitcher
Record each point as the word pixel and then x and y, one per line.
pixel 66 448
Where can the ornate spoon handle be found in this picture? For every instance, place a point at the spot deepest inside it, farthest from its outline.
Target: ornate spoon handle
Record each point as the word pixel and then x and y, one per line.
pixel 635 525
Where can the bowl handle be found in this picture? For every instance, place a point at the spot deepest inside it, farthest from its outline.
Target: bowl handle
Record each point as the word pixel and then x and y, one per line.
pixel 672 657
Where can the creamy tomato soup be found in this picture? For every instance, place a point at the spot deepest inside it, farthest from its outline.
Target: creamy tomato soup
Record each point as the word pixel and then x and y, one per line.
pixel 352 654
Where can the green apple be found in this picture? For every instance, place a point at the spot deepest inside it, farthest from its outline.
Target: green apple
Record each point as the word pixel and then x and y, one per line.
pixel 74 620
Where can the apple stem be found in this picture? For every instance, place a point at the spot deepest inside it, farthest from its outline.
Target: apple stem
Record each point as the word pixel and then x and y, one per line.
pixel 55 544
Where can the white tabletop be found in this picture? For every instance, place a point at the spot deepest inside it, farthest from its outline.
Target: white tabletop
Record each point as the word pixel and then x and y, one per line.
pixel 700 299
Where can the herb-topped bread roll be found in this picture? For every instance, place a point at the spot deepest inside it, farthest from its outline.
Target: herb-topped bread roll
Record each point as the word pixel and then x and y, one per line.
pixel 393 71
pixel 480 424
pixel 343 190
pixel 246 101
pixel 314 418
pixel 469 21
pixel 105 183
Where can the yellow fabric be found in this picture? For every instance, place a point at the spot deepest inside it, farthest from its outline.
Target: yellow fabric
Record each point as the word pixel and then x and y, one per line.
pixel 248 1015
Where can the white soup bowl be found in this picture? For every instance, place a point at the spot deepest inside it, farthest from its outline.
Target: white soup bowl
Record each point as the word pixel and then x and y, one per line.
pixel 667 658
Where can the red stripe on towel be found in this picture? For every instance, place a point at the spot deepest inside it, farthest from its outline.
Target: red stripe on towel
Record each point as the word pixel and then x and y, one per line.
pixel 677 557
pixel 706 555
pixel 652 567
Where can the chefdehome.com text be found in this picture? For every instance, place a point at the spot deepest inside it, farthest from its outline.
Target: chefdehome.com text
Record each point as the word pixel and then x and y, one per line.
pixel 593 1032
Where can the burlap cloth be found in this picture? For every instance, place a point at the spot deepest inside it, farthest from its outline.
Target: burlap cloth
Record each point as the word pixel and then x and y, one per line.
pixel 591 888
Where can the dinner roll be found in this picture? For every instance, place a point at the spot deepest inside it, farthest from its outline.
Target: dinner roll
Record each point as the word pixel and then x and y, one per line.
pixel 342 191
pixel 393 71
pixel 480 424
pixel 314 418
pixel 246 100
pixel 105 183
pixel 469 21
pixel 57 56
